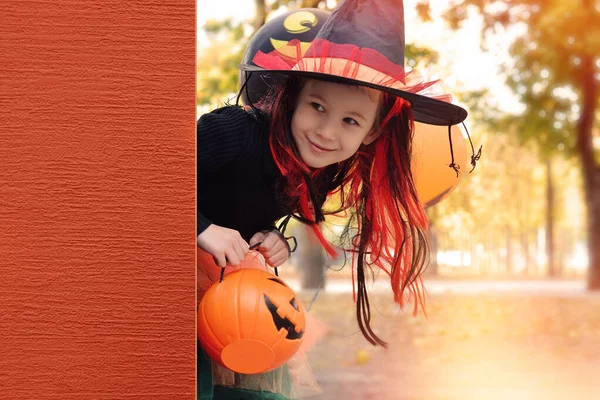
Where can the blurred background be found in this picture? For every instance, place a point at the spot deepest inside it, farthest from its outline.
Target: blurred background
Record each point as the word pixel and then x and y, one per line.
pixel 513 310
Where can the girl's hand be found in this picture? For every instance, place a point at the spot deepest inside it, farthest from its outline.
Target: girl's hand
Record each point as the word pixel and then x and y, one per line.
pixel 274 247
pixel 226 245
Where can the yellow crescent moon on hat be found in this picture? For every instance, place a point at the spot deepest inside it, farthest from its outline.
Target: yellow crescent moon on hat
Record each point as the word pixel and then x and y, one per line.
pixel 296 23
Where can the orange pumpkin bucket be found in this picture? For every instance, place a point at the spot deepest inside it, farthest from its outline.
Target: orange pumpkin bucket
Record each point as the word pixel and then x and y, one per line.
pixel 251 321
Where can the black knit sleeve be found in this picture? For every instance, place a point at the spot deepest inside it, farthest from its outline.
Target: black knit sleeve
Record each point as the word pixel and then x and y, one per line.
pixel 221 135
pixel 201 223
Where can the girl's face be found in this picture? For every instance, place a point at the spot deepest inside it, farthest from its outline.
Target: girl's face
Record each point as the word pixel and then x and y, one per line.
pixel 332 120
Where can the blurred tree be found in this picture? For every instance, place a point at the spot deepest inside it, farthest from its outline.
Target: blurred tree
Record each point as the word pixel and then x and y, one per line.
pixel 556 75
pixel 497 207
pixel 216 65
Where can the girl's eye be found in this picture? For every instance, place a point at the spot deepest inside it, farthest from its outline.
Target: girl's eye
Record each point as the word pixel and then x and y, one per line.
pixel 350 121
pixel 317 106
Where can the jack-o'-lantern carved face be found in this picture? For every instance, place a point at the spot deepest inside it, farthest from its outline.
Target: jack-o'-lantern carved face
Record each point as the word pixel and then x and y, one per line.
pixel 251 322
pixel 284 309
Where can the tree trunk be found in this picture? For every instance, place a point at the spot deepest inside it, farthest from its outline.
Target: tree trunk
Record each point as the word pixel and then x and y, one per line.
pixel 591 170
pixel 509 253
pixel 433 237
pixel 261 14
pixel 593 186
pixel 310 3
pixel 550 219
pixel 311 260
pixel 433 268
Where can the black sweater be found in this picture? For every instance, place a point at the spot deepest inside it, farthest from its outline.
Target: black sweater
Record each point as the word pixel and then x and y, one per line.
pixel 238 184
pixel 236 175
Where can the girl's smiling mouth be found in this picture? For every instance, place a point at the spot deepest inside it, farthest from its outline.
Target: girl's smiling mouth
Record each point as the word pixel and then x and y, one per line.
pixel 317 148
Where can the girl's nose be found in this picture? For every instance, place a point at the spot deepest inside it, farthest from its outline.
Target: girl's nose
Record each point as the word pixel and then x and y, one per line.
pixel 326 129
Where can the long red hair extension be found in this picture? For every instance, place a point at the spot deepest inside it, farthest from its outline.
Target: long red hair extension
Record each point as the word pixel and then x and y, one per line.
pixel 387 226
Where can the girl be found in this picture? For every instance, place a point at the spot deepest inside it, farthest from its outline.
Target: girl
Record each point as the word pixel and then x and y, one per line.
pixel 341 122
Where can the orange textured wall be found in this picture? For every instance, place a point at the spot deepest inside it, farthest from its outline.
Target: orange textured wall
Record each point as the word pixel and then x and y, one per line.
pixel 97 182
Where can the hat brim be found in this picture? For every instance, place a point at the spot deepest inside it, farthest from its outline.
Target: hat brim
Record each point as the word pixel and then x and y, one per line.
pixel 425 109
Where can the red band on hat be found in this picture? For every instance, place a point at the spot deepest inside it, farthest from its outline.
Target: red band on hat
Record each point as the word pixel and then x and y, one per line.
pixel 349 61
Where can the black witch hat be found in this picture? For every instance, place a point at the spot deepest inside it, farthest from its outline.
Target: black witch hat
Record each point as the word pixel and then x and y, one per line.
pixel 362 43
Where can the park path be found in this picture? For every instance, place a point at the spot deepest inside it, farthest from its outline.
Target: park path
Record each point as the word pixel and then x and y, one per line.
pixel 481 341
